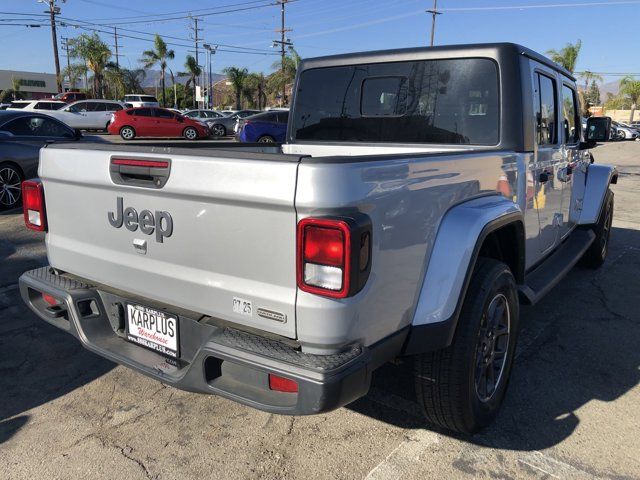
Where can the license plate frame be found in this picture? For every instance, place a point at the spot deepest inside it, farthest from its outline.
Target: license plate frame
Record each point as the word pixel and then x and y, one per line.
pixel 153 329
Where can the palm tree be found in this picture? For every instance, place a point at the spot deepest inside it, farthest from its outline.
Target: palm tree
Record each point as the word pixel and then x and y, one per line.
pixel 96 55
pixel 630 88
pixel 193 70
pixel 282 77
pixel 237 77
pixel 590 77
pixel 567 56
pixel 132 79
pixel 158 56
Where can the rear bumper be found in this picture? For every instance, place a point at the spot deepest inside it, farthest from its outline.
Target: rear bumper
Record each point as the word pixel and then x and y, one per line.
pixel 214 359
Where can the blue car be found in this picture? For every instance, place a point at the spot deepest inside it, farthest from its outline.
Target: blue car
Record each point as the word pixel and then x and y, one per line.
pixel 267 127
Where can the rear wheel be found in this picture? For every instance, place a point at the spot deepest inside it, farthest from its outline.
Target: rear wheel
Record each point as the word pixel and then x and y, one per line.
pixel 190 133
pixel 127 133
pixel 462 386
pixel 10 186
pixel 266 139
pixel 218 130
pixel 597 253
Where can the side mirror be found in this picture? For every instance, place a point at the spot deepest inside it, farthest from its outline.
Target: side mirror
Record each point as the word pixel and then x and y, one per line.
pixel 77 133
pixel 180 118
pixel 598 129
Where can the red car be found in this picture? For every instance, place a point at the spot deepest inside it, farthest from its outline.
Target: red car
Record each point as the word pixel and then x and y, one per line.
pixel 155 122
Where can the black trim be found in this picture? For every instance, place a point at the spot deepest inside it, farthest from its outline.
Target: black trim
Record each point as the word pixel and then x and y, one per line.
pixel 215 359
pixel 435 336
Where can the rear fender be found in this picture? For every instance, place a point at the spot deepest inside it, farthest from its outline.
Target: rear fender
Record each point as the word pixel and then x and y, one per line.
pixel 599 177
pixel 448 272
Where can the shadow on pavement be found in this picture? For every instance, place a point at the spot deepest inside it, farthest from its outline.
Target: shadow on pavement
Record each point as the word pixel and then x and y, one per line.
pixel 39 363
pixel 578 345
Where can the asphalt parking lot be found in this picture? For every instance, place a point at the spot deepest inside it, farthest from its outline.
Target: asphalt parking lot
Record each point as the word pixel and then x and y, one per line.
pixel 573 408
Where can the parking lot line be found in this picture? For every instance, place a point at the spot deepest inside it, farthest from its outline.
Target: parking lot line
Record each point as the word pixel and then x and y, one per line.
pixel 404 456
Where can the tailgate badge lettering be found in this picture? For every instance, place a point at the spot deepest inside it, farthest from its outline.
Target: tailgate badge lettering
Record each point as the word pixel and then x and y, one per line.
pixel 161 222
pixel 271 315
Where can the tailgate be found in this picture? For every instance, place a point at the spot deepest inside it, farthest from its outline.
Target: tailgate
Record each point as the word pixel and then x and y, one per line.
pixel 218 232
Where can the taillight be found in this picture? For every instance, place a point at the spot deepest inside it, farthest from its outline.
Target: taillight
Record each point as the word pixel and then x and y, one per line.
pixel 333 255
pixel 35 216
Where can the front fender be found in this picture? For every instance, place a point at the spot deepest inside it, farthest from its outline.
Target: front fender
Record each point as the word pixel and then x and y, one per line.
pixel 449 268
pixel 599 177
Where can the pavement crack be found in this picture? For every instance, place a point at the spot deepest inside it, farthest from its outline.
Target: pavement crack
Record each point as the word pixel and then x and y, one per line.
pixel 126 452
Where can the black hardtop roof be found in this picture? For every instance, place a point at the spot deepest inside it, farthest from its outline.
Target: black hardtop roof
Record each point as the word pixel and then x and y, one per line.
pixel 423 53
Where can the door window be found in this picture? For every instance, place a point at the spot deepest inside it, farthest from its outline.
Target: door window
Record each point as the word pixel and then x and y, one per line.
pixel 546 112
pixel 163 113
pixel 143 112
pixel 570 122
pixel 38 127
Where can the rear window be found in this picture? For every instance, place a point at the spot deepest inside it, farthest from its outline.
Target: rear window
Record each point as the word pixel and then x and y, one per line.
pixel 146 98
pixel 452 101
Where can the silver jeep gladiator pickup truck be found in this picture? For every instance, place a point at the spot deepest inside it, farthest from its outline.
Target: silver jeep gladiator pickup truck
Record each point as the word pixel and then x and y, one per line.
pixel 421 196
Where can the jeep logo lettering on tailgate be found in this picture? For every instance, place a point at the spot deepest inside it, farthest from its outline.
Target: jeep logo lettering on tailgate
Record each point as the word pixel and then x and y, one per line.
pixel 161 222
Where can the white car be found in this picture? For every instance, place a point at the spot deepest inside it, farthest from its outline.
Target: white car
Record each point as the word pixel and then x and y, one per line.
pixel 36 105
pixel 141 100
pixel 88 114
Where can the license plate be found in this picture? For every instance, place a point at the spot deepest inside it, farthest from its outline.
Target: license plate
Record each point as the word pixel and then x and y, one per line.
pixel 153 329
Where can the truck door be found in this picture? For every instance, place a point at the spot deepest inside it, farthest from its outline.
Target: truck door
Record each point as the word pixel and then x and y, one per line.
pixel 570 127
pixel 547 191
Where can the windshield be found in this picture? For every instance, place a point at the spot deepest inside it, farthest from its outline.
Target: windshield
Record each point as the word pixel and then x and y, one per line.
pixel 452 101
pixel 19 104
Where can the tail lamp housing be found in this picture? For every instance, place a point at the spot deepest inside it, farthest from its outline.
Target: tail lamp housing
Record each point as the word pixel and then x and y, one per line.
pixel 33 207
pixel 334 255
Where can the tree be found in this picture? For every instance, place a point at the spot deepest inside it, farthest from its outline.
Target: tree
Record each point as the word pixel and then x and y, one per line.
pixel 193 70
pixel 96 55
pixel 593 94
pixel 590 77
pixel 159 56
pixel 74 72
pixel 567 56
pixel 282 77
pixel 237 77
pixel 630 89
pixel 132 79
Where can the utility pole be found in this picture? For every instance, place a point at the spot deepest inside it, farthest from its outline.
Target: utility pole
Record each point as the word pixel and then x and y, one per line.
pixel 53 11
pixel 65 45
pixel 117 55
pixel 283 42
pixel 196 40
pixel 434 13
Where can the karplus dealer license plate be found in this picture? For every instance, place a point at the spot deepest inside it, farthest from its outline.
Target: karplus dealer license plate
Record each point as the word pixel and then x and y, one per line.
pixel 153 329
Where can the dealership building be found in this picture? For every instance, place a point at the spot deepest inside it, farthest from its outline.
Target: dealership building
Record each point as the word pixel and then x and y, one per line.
pixel 32 84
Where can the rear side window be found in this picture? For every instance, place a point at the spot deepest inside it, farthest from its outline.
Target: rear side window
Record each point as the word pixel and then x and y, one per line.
pixel 570 122
pixel 546 111
pixel 454 101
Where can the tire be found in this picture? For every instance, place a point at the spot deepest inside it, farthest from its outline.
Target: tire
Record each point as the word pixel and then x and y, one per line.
pixel 622 135
pixel 10 186
pixel 266 139
pixel 218 130
pixel 190 133
pixel 127 133
pixel 453 384
pixel 597 253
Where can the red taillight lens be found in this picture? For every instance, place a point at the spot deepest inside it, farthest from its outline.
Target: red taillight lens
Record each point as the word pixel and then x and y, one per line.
pixel 324 246
pixel 281 384
pixel 324 257
pixel 35 217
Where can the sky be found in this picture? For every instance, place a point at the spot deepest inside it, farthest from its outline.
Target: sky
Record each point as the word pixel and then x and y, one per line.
pixel 606 28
